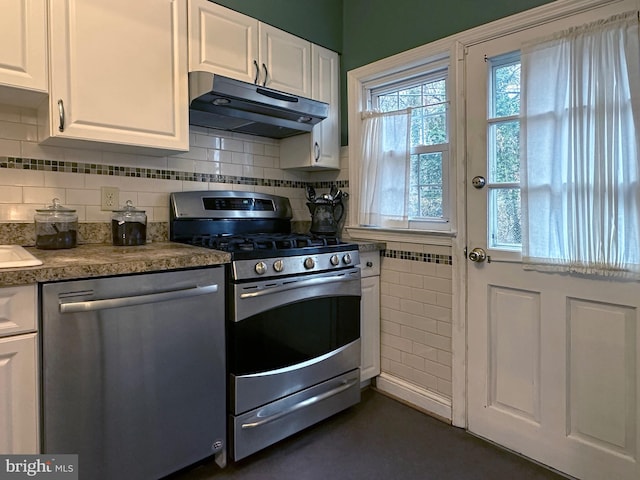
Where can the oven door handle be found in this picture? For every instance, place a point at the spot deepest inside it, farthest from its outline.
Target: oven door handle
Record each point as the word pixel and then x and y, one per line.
pixel 289 285
pixel 305 403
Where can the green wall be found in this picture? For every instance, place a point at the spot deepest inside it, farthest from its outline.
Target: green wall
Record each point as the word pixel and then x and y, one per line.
pixel 319 21
pixel 376 29
pixel 364 31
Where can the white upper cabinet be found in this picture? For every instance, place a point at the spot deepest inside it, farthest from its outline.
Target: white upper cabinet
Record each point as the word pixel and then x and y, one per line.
pixel 222 41
pixel 118 75
pixel 229 43
pixel 321 148
pixel 23 52
pixel 285 61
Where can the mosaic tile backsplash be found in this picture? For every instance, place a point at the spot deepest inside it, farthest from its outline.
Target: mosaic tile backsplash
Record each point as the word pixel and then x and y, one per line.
pixel 32 174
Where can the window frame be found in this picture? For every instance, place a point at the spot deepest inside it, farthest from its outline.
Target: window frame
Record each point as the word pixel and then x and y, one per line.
pixel 436 68
pixel 437 72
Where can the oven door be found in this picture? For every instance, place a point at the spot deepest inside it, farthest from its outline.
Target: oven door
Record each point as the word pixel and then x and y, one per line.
pixel 288 334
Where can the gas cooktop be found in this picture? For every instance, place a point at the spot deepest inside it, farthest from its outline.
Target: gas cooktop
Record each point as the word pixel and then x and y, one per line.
pixel 254 226
pixel 264 245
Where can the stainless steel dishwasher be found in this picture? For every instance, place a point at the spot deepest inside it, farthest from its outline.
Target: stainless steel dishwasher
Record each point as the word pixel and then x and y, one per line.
pixel 133 372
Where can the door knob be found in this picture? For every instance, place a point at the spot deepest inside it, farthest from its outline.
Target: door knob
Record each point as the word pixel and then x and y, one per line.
pixel 477 255
pixel 478 182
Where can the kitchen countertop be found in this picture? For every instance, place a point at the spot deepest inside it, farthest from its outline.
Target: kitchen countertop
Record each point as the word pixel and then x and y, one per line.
pixel 369 246
pixel 97 260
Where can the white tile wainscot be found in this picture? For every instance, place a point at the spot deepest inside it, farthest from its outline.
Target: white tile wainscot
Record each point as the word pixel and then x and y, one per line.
pixel 416 316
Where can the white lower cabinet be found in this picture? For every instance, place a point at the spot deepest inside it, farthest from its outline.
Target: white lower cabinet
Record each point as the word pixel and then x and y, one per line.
pixel 370 315
pixel 18 371
pixel 18 395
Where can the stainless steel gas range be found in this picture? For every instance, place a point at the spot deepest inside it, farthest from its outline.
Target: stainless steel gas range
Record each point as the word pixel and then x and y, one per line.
pixel 293 313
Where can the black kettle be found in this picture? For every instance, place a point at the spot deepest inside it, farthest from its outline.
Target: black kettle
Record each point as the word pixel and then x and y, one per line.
pixel 326 213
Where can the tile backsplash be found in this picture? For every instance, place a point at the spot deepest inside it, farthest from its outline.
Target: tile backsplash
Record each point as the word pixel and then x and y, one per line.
pixel 31 175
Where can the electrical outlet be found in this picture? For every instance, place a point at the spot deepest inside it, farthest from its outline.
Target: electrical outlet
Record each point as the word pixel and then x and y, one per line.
pixel 109 198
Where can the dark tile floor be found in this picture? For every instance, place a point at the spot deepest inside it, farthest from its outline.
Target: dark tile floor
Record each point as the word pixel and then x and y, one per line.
pixel 378 439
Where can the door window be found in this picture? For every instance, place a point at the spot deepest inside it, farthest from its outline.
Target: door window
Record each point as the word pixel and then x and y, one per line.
pixel 503 145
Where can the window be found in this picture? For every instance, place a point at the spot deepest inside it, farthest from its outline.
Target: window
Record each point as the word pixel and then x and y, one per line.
pixel 580 148
pixel 503 155
pixel 427 188
pixel 562 149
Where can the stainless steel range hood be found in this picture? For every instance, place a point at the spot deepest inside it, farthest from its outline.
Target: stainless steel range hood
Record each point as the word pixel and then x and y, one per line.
pixel 228 104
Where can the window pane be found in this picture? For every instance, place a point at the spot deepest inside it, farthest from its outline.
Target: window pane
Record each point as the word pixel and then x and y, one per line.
pixel 504 152
pixel 506 88
pixel 411 97
pixel 429 126
pixel 388 103
pixel 426 182
pixel 505 226
pixel 430 201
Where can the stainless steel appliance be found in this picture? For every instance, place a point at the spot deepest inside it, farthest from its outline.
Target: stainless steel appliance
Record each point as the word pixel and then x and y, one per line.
pixel 134 372
pixel 228 104
pixel 293 302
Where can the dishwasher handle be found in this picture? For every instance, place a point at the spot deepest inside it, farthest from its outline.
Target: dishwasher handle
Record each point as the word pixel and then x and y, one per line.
pixel 93 305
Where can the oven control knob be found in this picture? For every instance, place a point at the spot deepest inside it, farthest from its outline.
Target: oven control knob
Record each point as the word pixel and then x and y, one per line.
pixel 261 268
pixel 347 258
pixel 278 266
pixel 309 263
pixel 334 260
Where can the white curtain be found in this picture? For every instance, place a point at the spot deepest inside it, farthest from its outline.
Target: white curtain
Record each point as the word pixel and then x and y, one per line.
pixel 384 176
pixel 579 144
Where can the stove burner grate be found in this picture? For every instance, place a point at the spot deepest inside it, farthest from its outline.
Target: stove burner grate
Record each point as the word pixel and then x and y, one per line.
pixel 263 242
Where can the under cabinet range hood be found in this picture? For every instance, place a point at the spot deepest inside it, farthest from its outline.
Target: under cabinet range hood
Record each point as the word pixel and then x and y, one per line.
pixel 228 104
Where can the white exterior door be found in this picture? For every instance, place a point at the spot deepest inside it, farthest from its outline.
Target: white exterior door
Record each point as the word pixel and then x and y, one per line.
pixel 553 359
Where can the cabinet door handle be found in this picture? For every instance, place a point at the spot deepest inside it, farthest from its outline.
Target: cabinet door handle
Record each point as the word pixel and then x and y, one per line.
pixel 61 115
pixel 316 151
pixel 266 75
pixel 255 64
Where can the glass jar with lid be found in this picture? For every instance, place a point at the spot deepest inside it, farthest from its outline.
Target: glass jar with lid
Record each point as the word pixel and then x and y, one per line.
pixel 129 226
pixel 56 227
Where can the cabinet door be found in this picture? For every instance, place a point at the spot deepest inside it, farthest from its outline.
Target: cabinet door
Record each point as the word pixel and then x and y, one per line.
pixel 370 328
pixel 285 61
pixel 321 148
pixel 18 395
pixel 119 72
pixel 326 88
pixel 18 309
pixel 23 58
pixel 222 41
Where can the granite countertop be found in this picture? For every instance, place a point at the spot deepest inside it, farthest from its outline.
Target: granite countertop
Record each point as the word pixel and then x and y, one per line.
pixel 369 246
pixel 96 260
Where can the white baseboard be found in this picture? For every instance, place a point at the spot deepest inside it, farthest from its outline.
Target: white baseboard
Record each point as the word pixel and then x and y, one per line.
pixel 426 400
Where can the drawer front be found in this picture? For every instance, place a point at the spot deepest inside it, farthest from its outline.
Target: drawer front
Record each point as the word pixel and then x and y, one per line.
pixel 17 310
pixel 370 263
